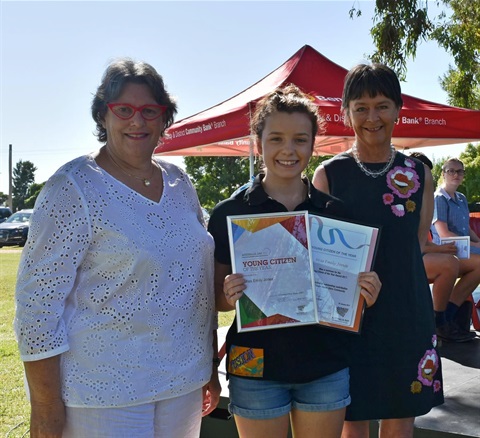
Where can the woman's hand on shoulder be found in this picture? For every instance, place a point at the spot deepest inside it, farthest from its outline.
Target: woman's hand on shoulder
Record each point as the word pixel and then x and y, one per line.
pixel 370 286
pixel 233 288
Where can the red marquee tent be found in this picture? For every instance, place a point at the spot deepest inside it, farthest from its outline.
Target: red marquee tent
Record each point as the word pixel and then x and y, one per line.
pixel 223 130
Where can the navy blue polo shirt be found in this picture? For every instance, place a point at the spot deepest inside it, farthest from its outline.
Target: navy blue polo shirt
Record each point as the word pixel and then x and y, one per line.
pixel 291 354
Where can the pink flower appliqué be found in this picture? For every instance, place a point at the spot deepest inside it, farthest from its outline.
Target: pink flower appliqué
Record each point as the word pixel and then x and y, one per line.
pixel 437 386
pixel 387 198
pixel 398 210
pixel 409 162
pixel 427 367
pixel 403 181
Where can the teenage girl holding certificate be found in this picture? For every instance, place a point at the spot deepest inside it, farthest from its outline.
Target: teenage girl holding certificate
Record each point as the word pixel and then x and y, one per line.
pixel 296 374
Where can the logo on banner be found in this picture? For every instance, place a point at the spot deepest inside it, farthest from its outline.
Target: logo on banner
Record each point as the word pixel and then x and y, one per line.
pixel 425 121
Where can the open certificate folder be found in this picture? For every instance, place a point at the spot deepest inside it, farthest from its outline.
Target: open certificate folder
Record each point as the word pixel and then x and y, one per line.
pixel 340 251
pixel 272 252
pixel 461 242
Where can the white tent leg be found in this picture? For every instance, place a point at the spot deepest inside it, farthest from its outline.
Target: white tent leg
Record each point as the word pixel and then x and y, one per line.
pixel 252 159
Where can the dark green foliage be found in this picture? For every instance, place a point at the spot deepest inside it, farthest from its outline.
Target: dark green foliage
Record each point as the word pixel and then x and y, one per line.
pixel 32 194
pixel 216 178
pixel 23 177
pixel 401 25
pixel 314 163
pixel 471 184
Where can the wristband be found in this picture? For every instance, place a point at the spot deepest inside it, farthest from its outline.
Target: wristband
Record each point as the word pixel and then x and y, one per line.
pixel 216 361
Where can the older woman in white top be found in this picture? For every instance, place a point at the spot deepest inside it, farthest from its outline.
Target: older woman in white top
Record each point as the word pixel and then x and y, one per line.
pixel 115 305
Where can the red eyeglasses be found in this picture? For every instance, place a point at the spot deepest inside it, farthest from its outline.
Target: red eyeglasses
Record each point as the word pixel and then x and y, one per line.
pixel 126 111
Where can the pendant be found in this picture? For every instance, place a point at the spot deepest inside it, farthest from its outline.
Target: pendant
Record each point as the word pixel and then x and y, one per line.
pixel 146 182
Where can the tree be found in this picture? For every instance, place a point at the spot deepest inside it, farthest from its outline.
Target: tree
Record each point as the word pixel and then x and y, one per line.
pixel 32 194
pixel 314 163
pixel 3 198
pixel 437 171
pixel 460 36
pixel 401 25
pixel 216 178
pixel 23 177
pixel 471 185
pixel 455 84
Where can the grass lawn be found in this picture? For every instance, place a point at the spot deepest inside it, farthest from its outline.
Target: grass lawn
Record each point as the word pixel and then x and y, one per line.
pixel 14 408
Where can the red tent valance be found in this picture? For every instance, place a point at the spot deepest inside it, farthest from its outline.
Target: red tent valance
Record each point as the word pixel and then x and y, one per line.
pixel 224 129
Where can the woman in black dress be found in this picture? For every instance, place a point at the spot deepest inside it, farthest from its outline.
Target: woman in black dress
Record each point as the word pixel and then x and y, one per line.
pixel 395 373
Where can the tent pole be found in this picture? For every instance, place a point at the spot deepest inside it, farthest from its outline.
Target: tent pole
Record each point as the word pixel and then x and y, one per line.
pixel 251 137
pixel 252 158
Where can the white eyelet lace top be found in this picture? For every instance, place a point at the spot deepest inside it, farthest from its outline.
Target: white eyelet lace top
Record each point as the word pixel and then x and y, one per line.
pixel 119 285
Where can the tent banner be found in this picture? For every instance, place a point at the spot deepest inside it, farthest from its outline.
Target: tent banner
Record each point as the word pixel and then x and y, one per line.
pixel 224 129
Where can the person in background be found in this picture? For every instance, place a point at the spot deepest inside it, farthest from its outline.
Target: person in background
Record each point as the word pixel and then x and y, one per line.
pixel 395 372
pixel 297 374
pixel 452 218
pixel 442 268
pixel 115 311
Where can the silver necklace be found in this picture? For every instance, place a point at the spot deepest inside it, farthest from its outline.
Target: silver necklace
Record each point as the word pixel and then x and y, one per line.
pixel 373 173
pixel 146 181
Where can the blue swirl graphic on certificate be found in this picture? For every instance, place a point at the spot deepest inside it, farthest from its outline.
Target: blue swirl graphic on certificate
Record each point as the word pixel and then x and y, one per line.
pixel 340 251
pixel 331 234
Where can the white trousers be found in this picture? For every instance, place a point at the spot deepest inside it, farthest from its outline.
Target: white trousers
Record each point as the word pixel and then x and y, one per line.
pixel 179 417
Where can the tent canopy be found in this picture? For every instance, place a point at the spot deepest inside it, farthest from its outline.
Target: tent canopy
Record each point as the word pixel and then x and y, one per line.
pixel 224 129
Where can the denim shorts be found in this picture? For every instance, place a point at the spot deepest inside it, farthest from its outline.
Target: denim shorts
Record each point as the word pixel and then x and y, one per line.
pixel 266 399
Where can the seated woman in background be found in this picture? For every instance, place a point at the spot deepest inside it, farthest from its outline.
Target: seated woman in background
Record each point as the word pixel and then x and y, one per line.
pixel 442 268
pixel 451 218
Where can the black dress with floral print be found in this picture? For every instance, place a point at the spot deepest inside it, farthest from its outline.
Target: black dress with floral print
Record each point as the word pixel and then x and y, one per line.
pixel 395 368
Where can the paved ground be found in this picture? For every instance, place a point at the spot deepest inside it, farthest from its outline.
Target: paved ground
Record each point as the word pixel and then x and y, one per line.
pixel 459 417
pixel 461 384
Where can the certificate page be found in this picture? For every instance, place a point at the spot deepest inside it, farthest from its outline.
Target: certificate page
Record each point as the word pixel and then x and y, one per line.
pixel 273 253
pixel 461 242
pixel 340 251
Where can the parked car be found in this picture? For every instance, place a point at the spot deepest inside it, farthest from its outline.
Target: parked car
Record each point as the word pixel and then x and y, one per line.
pixel 14 231
pixel 5 213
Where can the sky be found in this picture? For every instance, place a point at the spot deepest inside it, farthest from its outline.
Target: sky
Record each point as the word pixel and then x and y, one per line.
pixel 53 55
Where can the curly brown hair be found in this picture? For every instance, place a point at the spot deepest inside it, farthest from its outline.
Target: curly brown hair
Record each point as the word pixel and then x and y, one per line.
pixel 116 76
pixel 288 99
